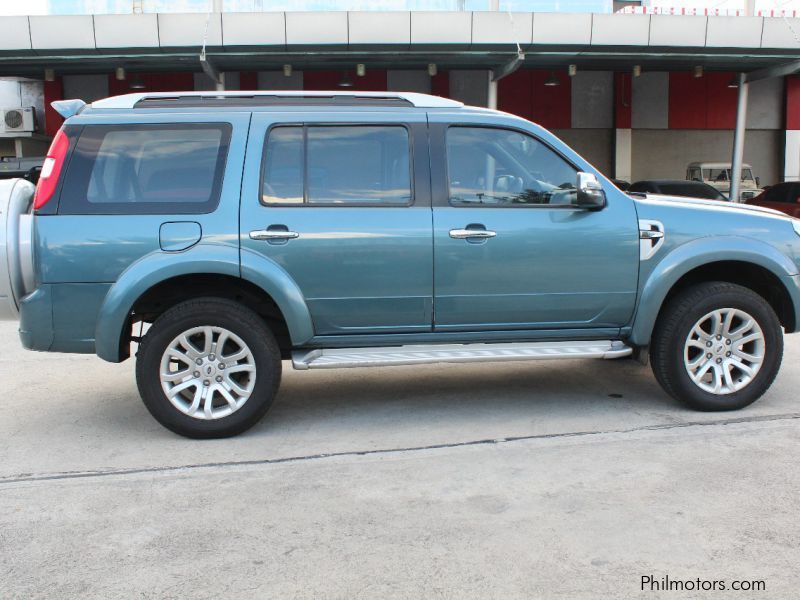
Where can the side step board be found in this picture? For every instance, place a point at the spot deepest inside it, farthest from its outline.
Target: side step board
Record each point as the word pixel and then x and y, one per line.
pixel 333 358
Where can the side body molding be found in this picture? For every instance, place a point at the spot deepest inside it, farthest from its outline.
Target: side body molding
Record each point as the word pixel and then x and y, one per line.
pixel 203 258
pixel 687 257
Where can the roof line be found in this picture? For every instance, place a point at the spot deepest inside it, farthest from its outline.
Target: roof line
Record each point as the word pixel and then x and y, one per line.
pixel 415 99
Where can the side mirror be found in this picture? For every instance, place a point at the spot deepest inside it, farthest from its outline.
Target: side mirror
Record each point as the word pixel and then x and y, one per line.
pixel 758 181
pixel 590 193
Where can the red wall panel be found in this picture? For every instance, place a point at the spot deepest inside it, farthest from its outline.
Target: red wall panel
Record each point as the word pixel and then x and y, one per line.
pixel 373 81
pixel 623 100
pixel 720 101
pixel 701 102
pixel 687 101
pixel 440 84
pixel 248 80
pixel 551 105
pixel 514 94
pixel 524 93
pixel 793 102
pixel 53 90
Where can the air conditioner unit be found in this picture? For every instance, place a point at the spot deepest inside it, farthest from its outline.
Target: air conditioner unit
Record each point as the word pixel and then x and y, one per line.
pixel 18 120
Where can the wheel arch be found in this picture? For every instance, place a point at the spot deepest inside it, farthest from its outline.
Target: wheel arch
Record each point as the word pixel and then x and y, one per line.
pixel 750 263
pixel 159 280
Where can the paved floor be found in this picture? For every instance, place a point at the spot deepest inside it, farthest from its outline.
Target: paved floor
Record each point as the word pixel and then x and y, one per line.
pixel 571 479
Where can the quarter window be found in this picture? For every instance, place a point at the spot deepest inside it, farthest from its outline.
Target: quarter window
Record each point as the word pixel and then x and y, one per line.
pixel 500 167
pixel 337 165
pixel 143 169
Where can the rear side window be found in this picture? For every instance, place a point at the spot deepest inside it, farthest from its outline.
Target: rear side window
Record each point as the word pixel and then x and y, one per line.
pixel 146 169
pixel 337 165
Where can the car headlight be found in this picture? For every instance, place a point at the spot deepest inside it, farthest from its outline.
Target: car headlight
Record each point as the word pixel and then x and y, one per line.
pixel 796 225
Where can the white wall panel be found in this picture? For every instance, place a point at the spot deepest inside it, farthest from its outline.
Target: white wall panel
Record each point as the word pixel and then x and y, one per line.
pixel 734 32
pixel 593 100
pixel 678 30
pixel 777 33
pixel 377 27
pixel 502 27
pixel 253 29
pixel 177 29
pixel 562 28
pixel 16 33
pixel 430 27
pixel 408 81
pixel 316 28
pixel 51 33
pixel 126 31
pixel 620 30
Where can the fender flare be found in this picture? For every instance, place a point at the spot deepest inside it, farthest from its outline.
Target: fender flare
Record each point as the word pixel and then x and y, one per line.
pixel 217 259
pixel 692 255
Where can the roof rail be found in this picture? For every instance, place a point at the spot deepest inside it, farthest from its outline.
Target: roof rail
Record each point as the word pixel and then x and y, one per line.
pixel 291 97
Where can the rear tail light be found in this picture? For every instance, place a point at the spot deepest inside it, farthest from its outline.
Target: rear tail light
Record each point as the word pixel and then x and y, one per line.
pixel 51 169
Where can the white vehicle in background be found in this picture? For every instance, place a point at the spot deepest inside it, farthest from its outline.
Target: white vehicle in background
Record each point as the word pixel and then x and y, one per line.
pixel 718 175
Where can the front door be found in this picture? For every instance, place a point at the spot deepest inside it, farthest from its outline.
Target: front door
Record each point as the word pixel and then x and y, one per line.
pixel 512 251
pixel 342 204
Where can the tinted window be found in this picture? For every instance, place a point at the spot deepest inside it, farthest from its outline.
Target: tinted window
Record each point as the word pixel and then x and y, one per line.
pixel 499 167
pixel 283 166
pixel 146 169
pixel 350 164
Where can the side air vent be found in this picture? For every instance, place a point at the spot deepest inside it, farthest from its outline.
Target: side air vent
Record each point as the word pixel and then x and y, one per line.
pixel 651 238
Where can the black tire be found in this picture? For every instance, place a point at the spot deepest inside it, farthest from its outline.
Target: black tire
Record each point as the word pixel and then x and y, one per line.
pixel 216 312
pixel 674 325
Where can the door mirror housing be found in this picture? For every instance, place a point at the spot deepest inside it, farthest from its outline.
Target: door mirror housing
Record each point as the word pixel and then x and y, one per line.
pixel 590 193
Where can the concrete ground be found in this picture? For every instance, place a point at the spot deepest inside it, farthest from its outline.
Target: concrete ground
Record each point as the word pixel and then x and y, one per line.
pixel 565 479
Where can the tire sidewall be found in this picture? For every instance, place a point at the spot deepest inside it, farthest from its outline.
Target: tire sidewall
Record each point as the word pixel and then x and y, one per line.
pixel 757 308
pixel 265 354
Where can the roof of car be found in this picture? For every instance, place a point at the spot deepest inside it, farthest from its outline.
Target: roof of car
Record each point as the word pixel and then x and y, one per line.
pixel 714 165
pixel 279 97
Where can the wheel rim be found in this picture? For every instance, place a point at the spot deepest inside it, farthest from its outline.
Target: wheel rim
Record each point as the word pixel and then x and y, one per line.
pixel 208 372
pixel 724 351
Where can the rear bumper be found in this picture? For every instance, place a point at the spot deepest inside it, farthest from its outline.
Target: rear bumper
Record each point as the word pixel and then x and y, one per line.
pixel 36 319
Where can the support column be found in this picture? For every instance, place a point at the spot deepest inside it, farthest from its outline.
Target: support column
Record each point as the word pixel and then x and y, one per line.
pixel 738 139
pixel 491 101
pixel 623 155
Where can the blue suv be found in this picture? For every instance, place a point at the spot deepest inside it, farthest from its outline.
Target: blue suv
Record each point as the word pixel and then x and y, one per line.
pixel 221 233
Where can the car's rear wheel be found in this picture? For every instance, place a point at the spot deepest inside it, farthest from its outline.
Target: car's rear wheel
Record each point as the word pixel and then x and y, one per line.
pixel 717 346
pixel 208 368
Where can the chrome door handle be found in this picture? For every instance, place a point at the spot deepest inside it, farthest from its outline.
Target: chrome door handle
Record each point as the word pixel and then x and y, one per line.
pixel 273 234
pixel 463 234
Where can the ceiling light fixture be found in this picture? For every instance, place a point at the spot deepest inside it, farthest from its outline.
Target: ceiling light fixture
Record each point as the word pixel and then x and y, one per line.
pixel 637 70
pixel 119 73
pixel 287 70
pixel 49 75
pixel 137 83
pixel 552 81
pixel 361 69
pixel 345 81
pixel 432 69
pixel 572 70
pixel 698 71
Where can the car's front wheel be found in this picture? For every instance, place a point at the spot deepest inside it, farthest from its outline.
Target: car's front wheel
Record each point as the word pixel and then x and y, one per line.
pixel 717 346
pixel 208 368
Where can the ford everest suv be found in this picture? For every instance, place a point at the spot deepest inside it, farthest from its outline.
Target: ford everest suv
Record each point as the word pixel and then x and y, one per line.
pixel 222 233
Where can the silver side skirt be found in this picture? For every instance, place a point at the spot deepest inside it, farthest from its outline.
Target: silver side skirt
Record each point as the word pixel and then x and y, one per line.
pixel 333 358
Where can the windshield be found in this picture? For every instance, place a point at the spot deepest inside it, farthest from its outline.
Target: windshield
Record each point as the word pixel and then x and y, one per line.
pixel 725 175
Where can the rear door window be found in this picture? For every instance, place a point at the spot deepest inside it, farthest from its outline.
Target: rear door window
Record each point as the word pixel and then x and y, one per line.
pixel 335 165
pixel 146 169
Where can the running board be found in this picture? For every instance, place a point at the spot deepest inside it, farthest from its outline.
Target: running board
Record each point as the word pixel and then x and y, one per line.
pixel 333 358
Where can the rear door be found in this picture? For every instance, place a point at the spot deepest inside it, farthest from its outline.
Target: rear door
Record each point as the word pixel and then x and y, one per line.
pixel 341 201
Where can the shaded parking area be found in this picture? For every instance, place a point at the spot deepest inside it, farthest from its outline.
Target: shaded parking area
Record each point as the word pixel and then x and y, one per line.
pixel 551 479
